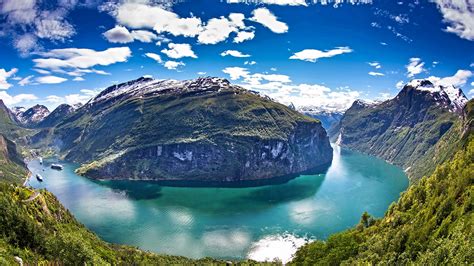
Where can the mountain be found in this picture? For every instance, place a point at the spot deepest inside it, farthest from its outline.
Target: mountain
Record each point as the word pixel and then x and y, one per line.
pixel 56 116
pixel 32 116
pixel 406 130
pixel 431 224
pixel 12 167
pixel 201 130
pixel 10 126
pixel 328 118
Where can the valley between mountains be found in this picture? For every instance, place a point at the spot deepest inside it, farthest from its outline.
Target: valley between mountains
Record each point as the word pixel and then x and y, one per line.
pixel 210 132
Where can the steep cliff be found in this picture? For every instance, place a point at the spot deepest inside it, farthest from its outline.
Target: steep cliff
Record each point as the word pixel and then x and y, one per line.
pixel 12 167
pixel 204 130
pixel 407 130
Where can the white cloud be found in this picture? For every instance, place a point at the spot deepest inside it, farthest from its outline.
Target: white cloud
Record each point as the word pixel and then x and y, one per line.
pixel 141 15
pixel 76 98
pixel 280 88
pixel 74 59
pixel 236 73
pixel 471 92
pixel 415 67
pixel 244 36
pixel 218 29
pixel 25 81
pixel 201 73
pixel 42 71
pixel 375 64
pixel 144 35
pixel 459 14
pixel 459 79
pixel 312 55
pixel 266 18
pixel 372 73
pixel 118 34
pixel 155 57
pixel 78 79
pixel 16 99
pixel 27 21
pixel 50 80
pixel 173 65
pixel 4 75
pixel 179 50
pixel 250 63
pixel 234 53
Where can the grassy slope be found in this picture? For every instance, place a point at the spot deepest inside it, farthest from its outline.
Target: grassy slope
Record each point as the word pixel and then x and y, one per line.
pixel 42 230
pixel 432 222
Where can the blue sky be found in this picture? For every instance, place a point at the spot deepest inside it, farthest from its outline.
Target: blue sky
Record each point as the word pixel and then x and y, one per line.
pixel 305 52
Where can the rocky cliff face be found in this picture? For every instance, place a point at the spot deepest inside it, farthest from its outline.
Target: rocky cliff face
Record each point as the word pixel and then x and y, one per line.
pixel 12 167
pixel 203 130
pixel 406 129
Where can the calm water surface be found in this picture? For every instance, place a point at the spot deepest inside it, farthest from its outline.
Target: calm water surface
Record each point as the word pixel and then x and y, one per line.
pixel 232 223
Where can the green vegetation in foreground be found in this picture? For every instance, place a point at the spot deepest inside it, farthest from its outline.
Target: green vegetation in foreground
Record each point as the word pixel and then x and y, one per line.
pixel 43 231
pixel 431 224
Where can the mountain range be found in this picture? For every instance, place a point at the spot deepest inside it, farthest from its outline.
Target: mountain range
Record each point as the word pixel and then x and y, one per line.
pixel 427 129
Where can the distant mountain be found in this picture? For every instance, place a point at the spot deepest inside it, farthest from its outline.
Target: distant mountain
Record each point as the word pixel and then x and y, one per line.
pixel 32 116
pixel 328 118
pixel 406 129
pixel 203 130
pixel 56 116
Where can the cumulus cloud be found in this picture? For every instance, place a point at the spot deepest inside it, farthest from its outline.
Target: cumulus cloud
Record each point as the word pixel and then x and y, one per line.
pixel 173 65
pixel 120 34
pixel 268 19
pixel 234 53
pixel 4 75
pixel 459 79
pixel 312 55
pixel 50 80
pixel 179 50
pixel 76 61
pixel 78 79
pixel 244 36
pixel 16 99
pixel 400 84
pixel 372 73
pixel 459 15
pixel 414 67
pixel 141 15
pixel 219 29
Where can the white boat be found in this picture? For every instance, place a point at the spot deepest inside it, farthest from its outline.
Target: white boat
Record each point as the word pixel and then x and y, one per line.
pixel 39 177
pixel 40 160
pixel 56 166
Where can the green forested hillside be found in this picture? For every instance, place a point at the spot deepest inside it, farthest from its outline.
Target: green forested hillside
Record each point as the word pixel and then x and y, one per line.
pixel 432 223
pixel 38 229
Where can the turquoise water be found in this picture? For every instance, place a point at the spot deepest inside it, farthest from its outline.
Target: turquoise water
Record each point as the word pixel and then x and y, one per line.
pixel 232 223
